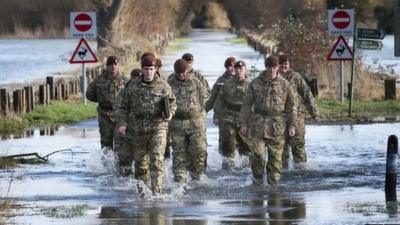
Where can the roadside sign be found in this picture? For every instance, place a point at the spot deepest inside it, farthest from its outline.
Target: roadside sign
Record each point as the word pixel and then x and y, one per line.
pixel 370 33
pixel 83 53
pixel 369 44
pixel 341 50
pixel 83 25
pixel 341 22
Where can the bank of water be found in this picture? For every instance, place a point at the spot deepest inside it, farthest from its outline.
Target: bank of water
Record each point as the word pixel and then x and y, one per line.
pixel 342 182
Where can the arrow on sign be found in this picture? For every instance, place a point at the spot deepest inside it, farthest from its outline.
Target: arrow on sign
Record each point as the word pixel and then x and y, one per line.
pixel 370 33
pixel 369 44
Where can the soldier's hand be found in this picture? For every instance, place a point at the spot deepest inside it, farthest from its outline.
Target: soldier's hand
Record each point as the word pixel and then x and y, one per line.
pixel 244 130
pixel 122 129
pixel 169 118
pixel 216 121
pixel 292 131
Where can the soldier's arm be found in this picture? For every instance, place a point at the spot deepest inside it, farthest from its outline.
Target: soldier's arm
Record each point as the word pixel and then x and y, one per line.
pixel 172 101
pixel 219 104
pixel 307 98
pixel 213 97
pixel 290 106
pixel 122 108
pixel 91 91
pixel 245 110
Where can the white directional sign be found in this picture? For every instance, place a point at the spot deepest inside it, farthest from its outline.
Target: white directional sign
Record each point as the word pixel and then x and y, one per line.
pixel 341 50
pixel 83 53
pixel 341 22
pixel 83 25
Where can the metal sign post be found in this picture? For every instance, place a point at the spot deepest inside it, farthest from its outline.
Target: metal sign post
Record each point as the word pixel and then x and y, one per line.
pixel 353 70
pixel 341 94
pixel 84 83
pixel 397 28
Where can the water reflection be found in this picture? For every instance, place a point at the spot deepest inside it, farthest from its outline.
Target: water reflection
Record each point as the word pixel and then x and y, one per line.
pixel 42 131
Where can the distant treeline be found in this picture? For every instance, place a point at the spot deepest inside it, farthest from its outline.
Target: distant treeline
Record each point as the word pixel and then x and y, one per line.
pixel 38 18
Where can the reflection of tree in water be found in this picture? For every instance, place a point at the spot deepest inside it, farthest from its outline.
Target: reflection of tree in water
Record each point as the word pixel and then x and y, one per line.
pixel 276 210
pixel 122 216
pixel 189 222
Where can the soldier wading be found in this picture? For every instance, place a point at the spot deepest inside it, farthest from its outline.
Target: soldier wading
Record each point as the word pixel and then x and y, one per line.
pixel 262 117
pixel 142 115
pixel 229 101
pixel 305 101
pixel 104 90
pixel 187 128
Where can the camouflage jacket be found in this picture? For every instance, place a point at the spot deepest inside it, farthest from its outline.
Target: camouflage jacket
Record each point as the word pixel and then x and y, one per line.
pixel 190 101
pixel 141 105
pixel 215 90
pixel 305 98
pixel 200 77
pixel 230 99
pixel 264 107
pixel 104 89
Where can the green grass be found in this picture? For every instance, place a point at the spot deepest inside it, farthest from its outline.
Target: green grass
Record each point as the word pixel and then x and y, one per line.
pixel 362 110
pixel 64 212
pixel 178 44
pixel 236 41
pixel 57 112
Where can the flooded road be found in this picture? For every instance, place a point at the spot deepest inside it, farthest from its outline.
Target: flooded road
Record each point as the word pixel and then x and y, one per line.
pixel 342 182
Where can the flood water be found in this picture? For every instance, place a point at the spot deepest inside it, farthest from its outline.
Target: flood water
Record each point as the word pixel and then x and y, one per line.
pixel 342 182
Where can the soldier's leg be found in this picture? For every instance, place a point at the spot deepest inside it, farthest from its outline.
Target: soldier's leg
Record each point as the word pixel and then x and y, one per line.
pixel 179 157
pixel 197 153
pixel 298 141
pixel 228 144
pixel 123 148
pixel 243 143
pixel 274 165
pixel 167 154
pixel 156 146
pixel 141 157
pixel 286 151
pixel 257 158
pixel 106 128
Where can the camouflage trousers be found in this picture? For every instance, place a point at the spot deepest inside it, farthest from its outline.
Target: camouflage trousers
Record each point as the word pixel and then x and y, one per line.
pixel 189 154
pixel 124 151
pixel 231 139
pixel 295 144
pixel 148 155
pixel 274 146
pixel 106 128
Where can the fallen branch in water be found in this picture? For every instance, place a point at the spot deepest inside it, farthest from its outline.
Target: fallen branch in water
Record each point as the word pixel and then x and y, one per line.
pixel 44 158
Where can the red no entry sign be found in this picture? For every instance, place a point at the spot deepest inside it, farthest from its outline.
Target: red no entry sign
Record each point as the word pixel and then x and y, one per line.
pixel 341 22
pixel 341 19
pixel 83 25
pixel 83 22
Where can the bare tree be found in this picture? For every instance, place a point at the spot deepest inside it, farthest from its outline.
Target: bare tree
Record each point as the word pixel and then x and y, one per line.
pixel 106 14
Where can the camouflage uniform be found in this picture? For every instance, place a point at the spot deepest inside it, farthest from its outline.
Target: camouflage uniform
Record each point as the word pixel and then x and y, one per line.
pixel 304 100
pixel 187 128
pixel 262 113
pixel 123 142
pixel 141 111
pixel 207 90
pixel 215 90
pixel 228 103
pixel 104 90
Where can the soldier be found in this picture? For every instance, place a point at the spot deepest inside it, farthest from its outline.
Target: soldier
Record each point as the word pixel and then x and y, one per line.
pixel 267 99
pixel 206 88
pixel 104 90
pixel 122 143
pixel 304 100
pixel 187 127
pixel 228 104
pixel 143 115
pixel 229 72
pixel 189 60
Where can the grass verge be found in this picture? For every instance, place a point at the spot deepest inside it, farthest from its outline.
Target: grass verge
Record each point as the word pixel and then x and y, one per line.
pixel 178 44
pixel 57 112
pixel 236 41
pixel 333 110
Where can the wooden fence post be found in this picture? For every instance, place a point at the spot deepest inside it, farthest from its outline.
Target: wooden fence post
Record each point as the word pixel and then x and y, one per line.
pixel 29 98
pixel 50 82
pixel 390 89
pixel 4 102
pixel 19 101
